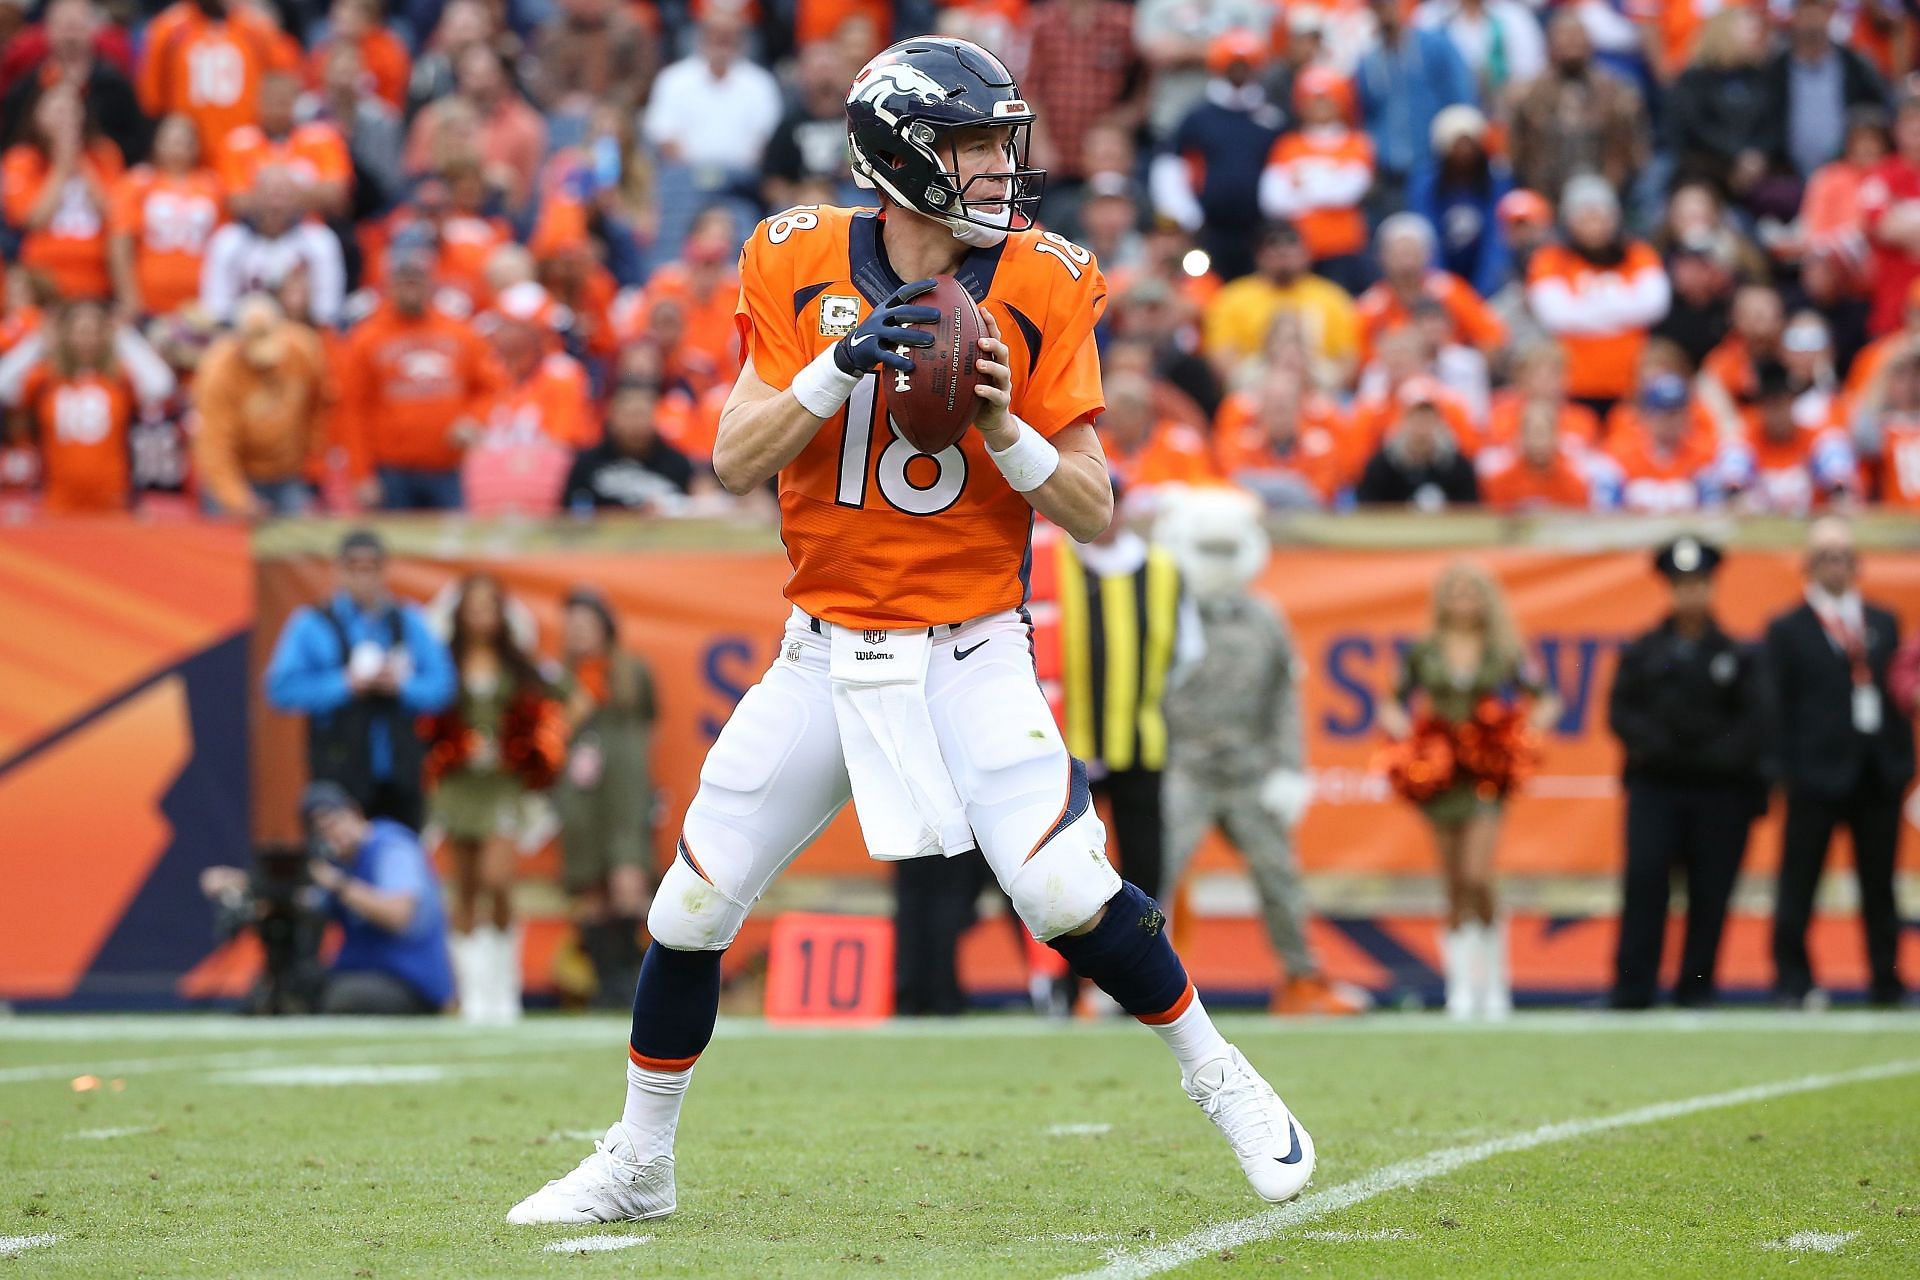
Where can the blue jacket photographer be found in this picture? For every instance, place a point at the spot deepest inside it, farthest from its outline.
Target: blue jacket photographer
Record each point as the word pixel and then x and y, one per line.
pixel 362 667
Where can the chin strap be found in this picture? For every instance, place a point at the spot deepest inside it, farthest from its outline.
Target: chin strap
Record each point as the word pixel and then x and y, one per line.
pixel 975 236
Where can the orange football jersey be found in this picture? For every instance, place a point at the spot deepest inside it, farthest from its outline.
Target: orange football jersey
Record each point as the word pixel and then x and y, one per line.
pixel 1243 447
pixel 210 70
pixel 1900 462
pixel 311 153
pixel 169 219
pixel 81 427
pixel 880 535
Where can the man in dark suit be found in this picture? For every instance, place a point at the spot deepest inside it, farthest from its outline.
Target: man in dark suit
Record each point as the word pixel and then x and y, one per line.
pixel 1846 757
pixel 1688 707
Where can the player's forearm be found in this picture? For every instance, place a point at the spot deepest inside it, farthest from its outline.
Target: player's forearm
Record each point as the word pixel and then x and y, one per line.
pixel 1078 497
pixel 757 438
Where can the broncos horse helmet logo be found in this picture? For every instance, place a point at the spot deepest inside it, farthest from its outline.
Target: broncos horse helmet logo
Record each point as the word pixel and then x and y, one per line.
pixel 876 84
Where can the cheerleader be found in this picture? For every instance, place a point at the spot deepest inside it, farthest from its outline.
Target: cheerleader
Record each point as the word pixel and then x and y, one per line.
pixel 1464 716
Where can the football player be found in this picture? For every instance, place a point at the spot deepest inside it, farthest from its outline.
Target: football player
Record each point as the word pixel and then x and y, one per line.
pixel 927 549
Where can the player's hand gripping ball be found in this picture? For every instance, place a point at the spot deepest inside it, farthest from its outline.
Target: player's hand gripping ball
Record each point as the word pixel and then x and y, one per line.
pixel 933 403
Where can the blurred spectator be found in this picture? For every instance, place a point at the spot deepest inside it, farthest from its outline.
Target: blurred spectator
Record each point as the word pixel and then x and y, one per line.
pixel 1499 40
pixel 1886 427
pixel 272 243
pixel 1720 121
pixel 360 667
pixel 1109 222
pixel 1540 381
pixel 238 41
pixel 56 181
pixel 1885 347
pixel 542 414
pixel 1702 284
pixel 1242 313
pixel 381 62
pixel 591 53
pixel 1153 316
pixel 1281 442
pixel 1890 199
pixel 510 136
pixel 810 142
pixel 415 385
pixel 1807 352
pixel 1141 451
pixel 1812 86
pixel 1406 244
pixel 713 111
pixel 604 797
pixel 162 221
pixel 1176 39
pixel 632 468
pixel 76 386
pixel 25 46
pixel 502 738
pixel 369 125
pixel 314 154
pixel 1822 290
pixel 1208 179
pixel 74 53
pixel 1525 223
pixel 1780 467
pixel 1757 323
pixel 1538 471
pixel 1419 464
pixel 1402 357
pixel 1689 707
pixel 1407 77
pixel 1577 117
pixel 260 394
pixel 1082 68
pixel 1599 293
pixel 704 286
pixel 464 25
pixel 1318 175
pixel 1846 759
pixel 1661 461
pixel 1458 193
pixel 1460 368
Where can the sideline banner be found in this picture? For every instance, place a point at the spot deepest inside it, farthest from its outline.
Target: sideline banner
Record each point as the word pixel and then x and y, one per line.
pixel 709 623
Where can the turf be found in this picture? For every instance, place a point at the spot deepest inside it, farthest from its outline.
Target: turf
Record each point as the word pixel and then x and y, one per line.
pixel 925 1151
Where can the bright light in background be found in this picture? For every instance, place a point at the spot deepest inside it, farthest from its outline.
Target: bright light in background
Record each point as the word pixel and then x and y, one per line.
pixel 1196 263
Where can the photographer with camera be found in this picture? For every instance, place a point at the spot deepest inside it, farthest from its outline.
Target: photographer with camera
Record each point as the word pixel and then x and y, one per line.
pixel 361 667
pixel 373 878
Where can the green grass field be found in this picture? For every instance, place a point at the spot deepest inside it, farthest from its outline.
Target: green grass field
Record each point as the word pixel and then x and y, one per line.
pixel 1575 1145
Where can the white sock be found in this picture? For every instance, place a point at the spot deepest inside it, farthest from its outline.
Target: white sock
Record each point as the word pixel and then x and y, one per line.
pixel 653 1108
pixel 1193 1038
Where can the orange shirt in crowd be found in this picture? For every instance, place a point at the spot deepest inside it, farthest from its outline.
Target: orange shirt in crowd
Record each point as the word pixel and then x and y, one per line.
pixel 385 66
pixel 1656 482
pixel 1376 415
pixel 1578 424
pixel 1242 443
pixel 1171 454
pixel 1900 462
pixel 81 426
pixel 822 19
pixel 1609 322
pixel 709 328
pixel 1508 482
pixel 1677 23
pixel 169 219
pixel 209 70
pixel 71 248
pixel 1474 322
pixel 552 401
pixel 404 382
pixel 1308 156
pixel 311 153
pixel 691 424
pixel 260 424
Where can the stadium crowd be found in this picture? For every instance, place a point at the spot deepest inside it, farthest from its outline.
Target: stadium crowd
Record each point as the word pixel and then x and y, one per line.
pixel 1597 254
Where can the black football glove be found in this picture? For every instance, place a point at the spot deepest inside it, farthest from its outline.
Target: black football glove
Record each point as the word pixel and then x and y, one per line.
pixel 872 344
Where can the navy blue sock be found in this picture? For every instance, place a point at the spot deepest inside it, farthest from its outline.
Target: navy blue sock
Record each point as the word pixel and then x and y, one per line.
pixel 674 1007
pixel 1127 955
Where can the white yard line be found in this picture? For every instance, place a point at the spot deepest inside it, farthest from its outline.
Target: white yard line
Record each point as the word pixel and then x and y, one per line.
pixel 1814 1241
pixel 14 1246
pixel 102 1135
pixel 1435 1164
pixel 1078 1130
pixel 596 1244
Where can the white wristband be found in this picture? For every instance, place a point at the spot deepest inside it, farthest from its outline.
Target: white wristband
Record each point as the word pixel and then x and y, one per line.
pixel 822 387
pixel 1029 461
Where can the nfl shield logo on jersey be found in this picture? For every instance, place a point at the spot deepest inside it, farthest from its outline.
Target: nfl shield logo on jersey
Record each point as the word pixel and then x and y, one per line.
pixel 874 637
pixel 838 315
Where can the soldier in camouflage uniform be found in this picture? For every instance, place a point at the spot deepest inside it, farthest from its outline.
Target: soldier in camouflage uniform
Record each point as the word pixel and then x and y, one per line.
pixel 1236 755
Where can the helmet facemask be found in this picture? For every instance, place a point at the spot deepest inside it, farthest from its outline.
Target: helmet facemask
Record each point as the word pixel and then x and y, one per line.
pixel 922 173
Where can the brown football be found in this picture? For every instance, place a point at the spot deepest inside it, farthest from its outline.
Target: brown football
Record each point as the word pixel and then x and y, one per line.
pixel 933 406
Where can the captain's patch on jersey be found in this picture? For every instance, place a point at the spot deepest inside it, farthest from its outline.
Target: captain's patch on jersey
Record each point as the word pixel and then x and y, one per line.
pixel 839 313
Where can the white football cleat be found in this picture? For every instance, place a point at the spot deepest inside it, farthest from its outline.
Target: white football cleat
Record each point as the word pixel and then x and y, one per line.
pixel 611 1185
pixel 1274 1148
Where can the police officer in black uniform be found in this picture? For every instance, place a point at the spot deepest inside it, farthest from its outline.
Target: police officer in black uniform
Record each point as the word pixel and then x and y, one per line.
pixel 1687 705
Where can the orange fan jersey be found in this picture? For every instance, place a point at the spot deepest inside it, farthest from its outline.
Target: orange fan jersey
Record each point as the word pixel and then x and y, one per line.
pixel 384 65
pixel 1508 482
pixel 1310 157
pixel 1375 416
pixel 1900 462
pixel 81 423
pixel 405 381
pixel 169 219
pixel 1242 444
pixel 709 332
pixel 1474 322
pixel 311 153
pixel 210 71
pixel 552 401
pixel 1173 453
pixel 878 534
pixel 71 249
pixel 1661 483
pixel 1601 355
pixel 1578 424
